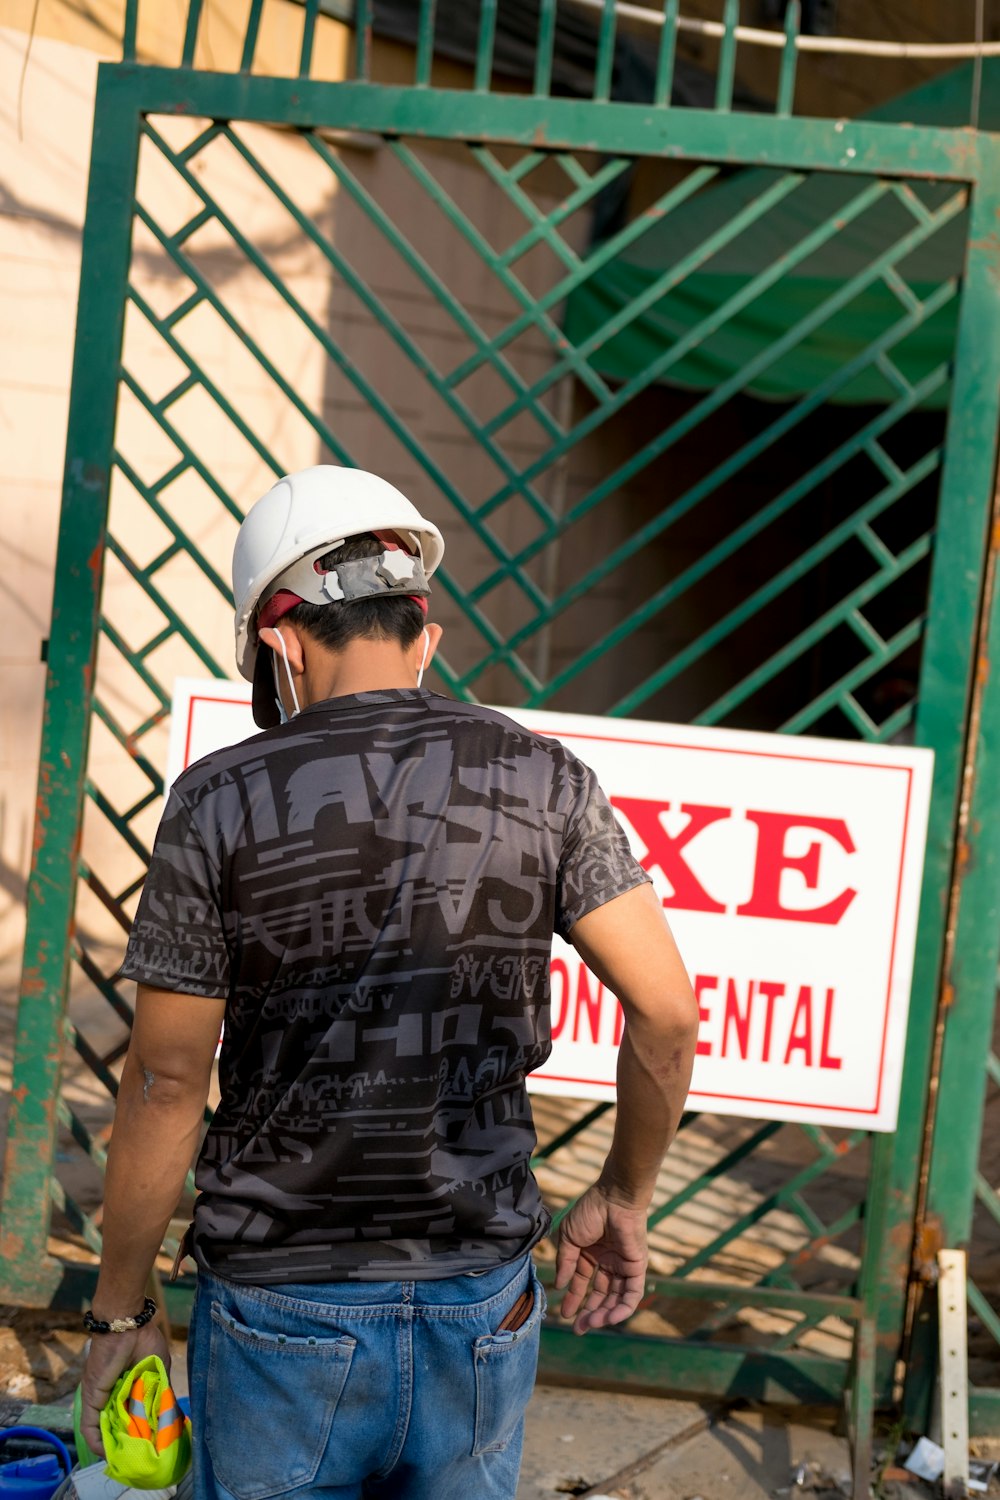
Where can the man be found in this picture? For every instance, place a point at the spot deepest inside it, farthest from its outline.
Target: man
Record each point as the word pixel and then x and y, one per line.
pixel 366 893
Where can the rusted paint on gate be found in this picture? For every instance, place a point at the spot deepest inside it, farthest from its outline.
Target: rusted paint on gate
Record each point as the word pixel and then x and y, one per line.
pixel 42 808
pixel 927 1241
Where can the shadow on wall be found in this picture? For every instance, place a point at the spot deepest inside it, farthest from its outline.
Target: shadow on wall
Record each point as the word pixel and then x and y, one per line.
pixel 15 842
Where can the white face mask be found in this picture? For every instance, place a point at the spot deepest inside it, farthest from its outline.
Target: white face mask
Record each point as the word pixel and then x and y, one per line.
pixel 423 659
pixel 282 714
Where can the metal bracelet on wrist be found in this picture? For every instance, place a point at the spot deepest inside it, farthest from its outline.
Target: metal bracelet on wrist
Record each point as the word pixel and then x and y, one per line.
pixel 120 1325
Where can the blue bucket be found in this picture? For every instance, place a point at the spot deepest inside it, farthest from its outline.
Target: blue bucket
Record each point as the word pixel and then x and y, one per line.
pixel 34 1478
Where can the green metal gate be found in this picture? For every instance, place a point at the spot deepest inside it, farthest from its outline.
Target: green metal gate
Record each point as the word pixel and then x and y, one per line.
pixel 624 546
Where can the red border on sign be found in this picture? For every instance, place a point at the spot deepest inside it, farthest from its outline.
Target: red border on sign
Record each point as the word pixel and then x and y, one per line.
pixel 204 698
pixel 610 739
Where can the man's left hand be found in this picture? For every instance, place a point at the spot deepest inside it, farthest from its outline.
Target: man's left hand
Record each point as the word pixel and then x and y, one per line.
pixel 110 1355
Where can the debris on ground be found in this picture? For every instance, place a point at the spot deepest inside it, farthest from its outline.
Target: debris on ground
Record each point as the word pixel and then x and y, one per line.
pixel 811 1478
pixel 982 1473
pixel 925 1460
pixel 915 1471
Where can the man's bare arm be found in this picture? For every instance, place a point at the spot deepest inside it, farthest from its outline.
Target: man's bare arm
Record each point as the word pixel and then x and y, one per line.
pixel 158 1118
pixel 602 1245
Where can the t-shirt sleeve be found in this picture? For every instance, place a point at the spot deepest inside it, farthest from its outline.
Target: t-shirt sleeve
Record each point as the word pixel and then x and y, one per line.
pixel 597 863
pixel 178 939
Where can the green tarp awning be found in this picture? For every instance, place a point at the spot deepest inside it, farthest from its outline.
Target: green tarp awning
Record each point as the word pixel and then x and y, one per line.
pixel 838 285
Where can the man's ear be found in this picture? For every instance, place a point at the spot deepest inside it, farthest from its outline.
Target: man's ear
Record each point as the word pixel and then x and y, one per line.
pixel 293 645
pixel 434 634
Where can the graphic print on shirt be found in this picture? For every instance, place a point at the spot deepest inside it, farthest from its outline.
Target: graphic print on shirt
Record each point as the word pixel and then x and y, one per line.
pixel 373 889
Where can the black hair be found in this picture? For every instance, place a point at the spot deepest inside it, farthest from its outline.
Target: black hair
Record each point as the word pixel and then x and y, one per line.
pixel 336 624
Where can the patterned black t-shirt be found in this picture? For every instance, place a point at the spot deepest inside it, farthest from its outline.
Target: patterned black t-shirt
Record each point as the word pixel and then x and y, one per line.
pixel 373 889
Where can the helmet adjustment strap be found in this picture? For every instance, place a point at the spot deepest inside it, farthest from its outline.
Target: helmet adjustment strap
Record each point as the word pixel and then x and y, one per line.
pixel 392 573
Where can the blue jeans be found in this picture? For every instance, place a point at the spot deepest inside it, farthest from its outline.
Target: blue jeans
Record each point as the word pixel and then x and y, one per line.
pixel 362 1390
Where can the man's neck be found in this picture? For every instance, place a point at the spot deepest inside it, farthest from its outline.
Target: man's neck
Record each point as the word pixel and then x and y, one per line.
pixel 362 667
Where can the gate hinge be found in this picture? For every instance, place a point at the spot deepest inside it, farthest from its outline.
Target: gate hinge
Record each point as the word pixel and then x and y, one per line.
pixel 926 1244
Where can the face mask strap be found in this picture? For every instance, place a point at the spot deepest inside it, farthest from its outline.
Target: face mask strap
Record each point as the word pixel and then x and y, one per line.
pixel 423 659
pixel 282 713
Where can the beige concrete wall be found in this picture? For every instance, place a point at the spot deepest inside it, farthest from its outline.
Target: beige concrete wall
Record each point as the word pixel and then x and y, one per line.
pixel 44 153
pixel 47 90
pixel 43 175
pixel 43 183
pixel 97 27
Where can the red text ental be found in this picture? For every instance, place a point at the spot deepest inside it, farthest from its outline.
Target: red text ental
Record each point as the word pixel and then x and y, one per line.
pixel 760 1020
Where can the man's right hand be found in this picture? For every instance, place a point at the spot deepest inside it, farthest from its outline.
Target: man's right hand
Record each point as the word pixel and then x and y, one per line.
pixel 110 1355
pixel 601 1260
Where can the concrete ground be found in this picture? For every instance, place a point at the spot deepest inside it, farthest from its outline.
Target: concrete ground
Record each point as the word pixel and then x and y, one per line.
pixel 578 1442
pixel 647 1448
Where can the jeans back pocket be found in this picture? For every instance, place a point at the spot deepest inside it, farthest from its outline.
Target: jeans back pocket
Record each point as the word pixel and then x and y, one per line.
pixel 505 1364
pixel 271 1403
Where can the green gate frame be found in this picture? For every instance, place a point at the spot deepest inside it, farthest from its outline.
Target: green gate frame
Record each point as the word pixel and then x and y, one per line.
pixel 961 608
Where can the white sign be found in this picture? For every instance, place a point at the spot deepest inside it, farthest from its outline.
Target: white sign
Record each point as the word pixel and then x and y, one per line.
pixel 206 716
pixel 790 871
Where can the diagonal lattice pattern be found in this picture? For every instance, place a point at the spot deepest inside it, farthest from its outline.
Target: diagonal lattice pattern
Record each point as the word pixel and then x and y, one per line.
pixel 625 546
pixel 532 577
pixel 984 1256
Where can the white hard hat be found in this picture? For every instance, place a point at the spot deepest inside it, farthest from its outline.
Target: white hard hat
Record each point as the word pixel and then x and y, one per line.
pixel 316 510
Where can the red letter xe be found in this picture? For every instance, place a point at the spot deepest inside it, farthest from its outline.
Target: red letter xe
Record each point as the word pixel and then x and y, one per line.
pixel 665 852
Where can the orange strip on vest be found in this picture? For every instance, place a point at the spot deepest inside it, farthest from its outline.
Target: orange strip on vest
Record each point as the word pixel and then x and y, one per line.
pixel 138 1424
pixel 168 1435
